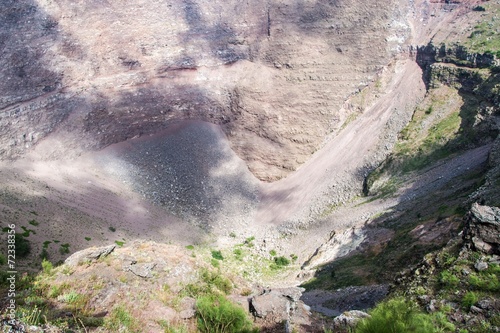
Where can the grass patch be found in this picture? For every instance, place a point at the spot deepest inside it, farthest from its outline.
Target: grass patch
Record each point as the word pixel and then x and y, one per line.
pixel 120 320
pixel 433 147
pixel 215 313
pixel 485 38
pixel 171 328
pixel 401 315
pixel 209 283
pixel 484 281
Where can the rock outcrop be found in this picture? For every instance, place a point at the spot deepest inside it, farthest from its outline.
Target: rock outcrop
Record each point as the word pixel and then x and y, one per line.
pixel 275 75
pixel 89 255
pixel 482 230
pixel 280 305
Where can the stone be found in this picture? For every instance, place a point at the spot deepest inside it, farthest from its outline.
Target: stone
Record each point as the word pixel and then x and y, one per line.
pixel 476 310
pixel 141 270
pixel 271 302
pixel 282 303
pixel 432 306
pixel 188 308
pixel 482 229
pixel 481 266
pixel 485 304
pixel 350 318
pixel 90 254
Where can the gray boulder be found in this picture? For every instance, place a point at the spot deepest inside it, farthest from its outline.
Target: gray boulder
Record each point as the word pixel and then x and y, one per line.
pixel 281 303
pixel 142 270
pixel 90 254
pixel 482 229
pixel 349 319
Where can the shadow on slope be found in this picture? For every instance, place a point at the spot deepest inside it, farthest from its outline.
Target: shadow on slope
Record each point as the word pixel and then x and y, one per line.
pixel 190 170
pixel 421 222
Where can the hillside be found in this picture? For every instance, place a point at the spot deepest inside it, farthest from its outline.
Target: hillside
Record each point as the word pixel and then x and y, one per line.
pixel 264 146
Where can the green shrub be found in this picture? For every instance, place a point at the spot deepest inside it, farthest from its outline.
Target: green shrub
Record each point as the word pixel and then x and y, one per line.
pixel 218 314
pixel 44 255
pixel 23 246
pixel 249 241
pixel 190 247
pixel 216 254
pixel 215 280
pixel 469 299
pixel 112 229
pixel 484 281
pixel 400 315
pixel 448 279
pixel 64 248
pixel 47 267
pixel 238 253
pixel 272 252
pixel 34 223
pixel 281 261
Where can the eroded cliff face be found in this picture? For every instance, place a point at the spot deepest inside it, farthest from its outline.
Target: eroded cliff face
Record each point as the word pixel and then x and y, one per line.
pixel 274 74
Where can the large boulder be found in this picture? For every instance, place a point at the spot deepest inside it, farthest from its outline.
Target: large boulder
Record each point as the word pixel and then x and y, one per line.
pixel 482 229
pixel 279 305
pixel 349 319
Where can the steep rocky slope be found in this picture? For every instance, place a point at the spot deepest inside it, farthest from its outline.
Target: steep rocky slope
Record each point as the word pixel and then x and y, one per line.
pixel 275 75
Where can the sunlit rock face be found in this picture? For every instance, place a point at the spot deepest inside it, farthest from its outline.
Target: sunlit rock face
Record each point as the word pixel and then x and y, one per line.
pixel 274 74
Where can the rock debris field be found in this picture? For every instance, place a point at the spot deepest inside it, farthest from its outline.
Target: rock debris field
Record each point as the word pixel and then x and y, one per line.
pixel 190 170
